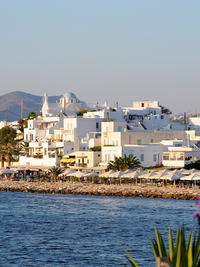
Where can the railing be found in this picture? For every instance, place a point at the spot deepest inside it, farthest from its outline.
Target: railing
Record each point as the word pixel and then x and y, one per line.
pixel 80 165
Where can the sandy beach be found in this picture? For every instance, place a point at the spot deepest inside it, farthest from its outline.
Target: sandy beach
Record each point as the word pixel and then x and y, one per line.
pixel 100 189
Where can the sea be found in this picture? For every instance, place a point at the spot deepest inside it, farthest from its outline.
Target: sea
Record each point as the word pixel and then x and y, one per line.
pixel 76 230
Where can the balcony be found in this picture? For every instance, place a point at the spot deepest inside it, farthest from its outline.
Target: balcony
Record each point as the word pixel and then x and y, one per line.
pixel 80 165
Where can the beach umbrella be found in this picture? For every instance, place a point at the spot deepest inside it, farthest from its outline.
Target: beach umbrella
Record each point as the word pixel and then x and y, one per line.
pixel 193 177
pixel 91 174
pixel 172 175
pixel 148 175
pixel 67 171
pixel 117 174
pixel 160 174
pixel 191 171
pixel 76 174
pixel 106 174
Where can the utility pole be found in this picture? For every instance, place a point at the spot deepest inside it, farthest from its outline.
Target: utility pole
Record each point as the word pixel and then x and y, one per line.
pixel 6 116
pixel 21 109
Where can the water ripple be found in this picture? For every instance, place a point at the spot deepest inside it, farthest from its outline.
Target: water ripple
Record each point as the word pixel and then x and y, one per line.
pixel 73 230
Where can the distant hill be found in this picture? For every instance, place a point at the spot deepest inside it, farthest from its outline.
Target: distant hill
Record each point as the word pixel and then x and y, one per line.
pixel 12 103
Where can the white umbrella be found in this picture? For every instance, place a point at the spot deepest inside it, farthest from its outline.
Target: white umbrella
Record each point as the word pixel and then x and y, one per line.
pixel 106 174
pixel 160 174
pixel 191 171
pixel 76 174
pixel 172 175
pixel 116 174
pixel 191 177
pixel 148 175
pixel 91 174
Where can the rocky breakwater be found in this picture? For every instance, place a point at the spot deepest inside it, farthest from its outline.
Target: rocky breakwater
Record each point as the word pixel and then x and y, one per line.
pixel 99 189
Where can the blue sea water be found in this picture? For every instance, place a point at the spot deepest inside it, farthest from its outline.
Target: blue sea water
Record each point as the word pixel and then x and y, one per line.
pixel 75 230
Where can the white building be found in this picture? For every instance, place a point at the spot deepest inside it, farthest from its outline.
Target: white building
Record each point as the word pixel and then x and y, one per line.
pixel 69 104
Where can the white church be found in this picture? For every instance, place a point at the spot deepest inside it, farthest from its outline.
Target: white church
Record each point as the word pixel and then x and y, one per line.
pixel 69 104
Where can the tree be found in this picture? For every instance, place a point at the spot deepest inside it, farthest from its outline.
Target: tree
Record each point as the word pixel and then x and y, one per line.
pixel 193 165
pixel 31 116
pixel 22 123
pixel 123 164
pixel 165 110
pixel 55 171
pixel 80 113
pixel 8 144
pixel 95 148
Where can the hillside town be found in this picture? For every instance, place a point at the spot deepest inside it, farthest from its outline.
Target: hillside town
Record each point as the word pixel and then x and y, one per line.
pixel 69 133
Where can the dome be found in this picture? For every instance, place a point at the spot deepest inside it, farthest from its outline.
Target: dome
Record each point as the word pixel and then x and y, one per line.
pixel 69 95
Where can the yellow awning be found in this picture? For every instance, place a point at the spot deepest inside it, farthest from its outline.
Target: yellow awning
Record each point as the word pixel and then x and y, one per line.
pixel 64 160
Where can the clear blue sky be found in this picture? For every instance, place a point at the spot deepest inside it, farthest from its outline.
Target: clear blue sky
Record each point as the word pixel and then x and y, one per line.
pixel 112 50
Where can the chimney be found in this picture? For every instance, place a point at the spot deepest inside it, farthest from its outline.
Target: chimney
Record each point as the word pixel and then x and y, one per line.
pixel 97 106
pixel 116 104
pixel 107 116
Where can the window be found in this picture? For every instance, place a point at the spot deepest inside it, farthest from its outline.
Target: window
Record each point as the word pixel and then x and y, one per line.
pixel 45 151
pixel 166 156
pixel 26 137
pixel 172 156
pixel 138 142
pixel 154 112
pixel 97 125
pixel 154 157
pixel 119 128
pixel 83 148
pixel 151 140
pixel 141 157
pixel 88 161
pixel 162 117
pixel 180 156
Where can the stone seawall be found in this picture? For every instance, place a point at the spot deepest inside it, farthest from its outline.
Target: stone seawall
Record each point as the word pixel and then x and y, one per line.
pixel 99 190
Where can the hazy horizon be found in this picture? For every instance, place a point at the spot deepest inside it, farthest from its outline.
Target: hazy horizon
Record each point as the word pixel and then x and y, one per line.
pixel 119 51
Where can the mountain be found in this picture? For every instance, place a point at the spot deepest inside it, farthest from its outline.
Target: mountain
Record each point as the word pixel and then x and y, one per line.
pixel 12 103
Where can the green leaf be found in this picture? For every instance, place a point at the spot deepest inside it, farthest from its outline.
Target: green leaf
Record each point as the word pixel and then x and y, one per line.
pixel 131 260
pixel 171 245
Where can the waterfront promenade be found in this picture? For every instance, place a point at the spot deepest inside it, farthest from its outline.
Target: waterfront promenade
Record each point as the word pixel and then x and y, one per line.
pixel 143 191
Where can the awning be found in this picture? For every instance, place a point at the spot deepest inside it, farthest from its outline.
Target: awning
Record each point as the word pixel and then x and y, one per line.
pixel 81 157
pixel 64 160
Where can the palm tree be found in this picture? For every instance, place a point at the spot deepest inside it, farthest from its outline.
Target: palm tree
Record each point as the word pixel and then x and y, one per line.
pixel 55 171
pixel 8 144
pixel 123 164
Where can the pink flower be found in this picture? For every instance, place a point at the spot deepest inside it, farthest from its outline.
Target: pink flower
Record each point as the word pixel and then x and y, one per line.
pixel 197 215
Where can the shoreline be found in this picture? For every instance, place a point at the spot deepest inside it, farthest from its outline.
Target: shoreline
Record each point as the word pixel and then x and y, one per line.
pixel 142 191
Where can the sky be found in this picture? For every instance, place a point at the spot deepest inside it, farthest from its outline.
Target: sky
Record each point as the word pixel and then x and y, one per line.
pixel 119 51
